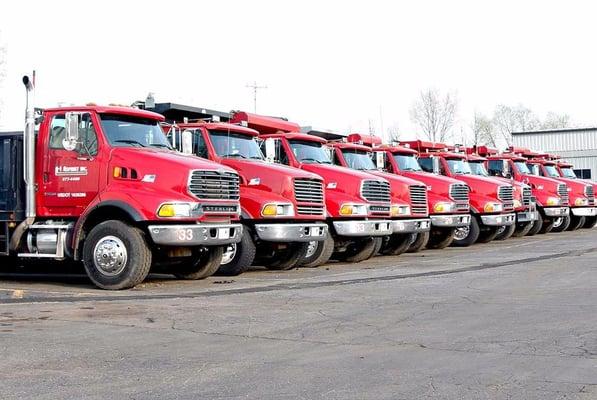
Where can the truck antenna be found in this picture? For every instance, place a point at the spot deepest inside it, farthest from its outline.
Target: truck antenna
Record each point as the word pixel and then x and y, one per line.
pixel 255 87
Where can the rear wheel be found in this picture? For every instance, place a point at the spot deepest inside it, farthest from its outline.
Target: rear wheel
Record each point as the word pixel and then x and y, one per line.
pixel 419 243
pixel 287 258
pixel 238 257
pixel 467 235
pixel 560 224
pixel 522 229
pixel 505 232
pixel 536 227
pixel 576 222
pixel 590 222
pixel 440 238
pixel 358 250
pixel 116 255
pixel 318 253
pixel 397 243
pixel 205 264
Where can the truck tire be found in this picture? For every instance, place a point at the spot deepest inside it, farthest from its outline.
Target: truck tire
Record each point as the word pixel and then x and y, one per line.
pixel 116 255
pixel 576 222
pixel 440 238
pixel 561 224
pixel 488 234
pixel 522 229
pixel 318 253
pixel 378 244
pixel 466 236
pixel 505 232
pixel 396 244
pixel 201 266
pixel 287 258
pixel 590 222
pixel 537 225
pixel 238 257
pixel 419 243
pixel 357 251
pixel 547 225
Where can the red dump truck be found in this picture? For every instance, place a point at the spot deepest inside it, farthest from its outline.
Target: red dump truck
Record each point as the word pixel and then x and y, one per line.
pixel 491 201
pixel 282 208
pixel 551 196
pixel 566 170
pixel 357 203
pixel 581 195
pixel 409 213
pixel 448 198
pixel 524 204
pixel 102 185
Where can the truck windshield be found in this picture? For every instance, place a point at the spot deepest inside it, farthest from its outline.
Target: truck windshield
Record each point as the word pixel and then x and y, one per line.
pixel 407 162
pixel 568 173
pixel 309 152
pixel 459 166
pixel 522 168
pixel 534 168
pixel 357 159
pixel 552 171
pixel 130 131
pixel 229 145
pixel 478 168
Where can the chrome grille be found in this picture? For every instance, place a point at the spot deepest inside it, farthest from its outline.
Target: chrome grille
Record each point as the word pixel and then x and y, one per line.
pixel 506 195
pixel 527 196
pixel 563 193
pixel 590 193
pixel 376 191
pixel 459 193
pixel 309 191
pixel 418 199
pixel 214 185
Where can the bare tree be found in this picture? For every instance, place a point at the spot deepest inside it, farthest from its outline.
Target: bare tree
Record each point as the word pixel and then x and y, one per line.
pixel 483 130
pixel 556 121
pixel 393 132
pixel 507 119
pixel 435 114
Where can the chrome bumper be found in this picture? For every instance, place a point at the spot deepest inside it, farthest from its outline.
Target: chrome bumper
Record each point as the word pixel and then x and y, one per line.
pixel 584 211
pixel 498 220
pixel 411 225
pixel 291 232
pixel 556 211
pixel 195 234
pixel 527 216
pixel 450 221
pixel 379 227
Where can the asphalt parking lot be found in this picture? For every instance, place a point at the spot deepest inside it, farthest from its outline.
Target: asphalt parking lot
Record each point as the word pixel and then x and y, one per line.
pixel 513 319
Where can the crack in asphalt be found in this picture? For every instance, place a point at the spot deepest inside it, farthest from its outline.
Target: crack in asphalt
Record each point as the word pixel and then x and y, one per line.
pixel 296 286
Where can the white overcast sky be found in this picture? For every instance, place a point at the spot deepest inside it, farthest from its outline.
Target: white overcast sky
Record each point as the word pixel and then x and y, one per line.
pixel 330 64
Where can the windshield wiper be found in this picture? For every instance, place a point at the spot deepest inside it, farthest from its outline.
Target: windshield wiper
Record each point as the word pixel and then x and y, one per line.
pixel 409 169
pixel 233 155
pixel 311 159
pixel 129 141
pixel 256 158
pixel 160 145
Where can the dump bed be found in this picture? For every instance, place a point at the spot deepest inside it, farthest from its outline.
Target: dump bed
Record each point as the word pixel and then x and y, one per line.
pixel 12 185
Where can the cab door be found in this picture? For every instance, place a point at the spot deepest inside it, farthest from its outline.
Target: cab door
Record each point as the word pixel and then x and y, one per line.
pixel 70 177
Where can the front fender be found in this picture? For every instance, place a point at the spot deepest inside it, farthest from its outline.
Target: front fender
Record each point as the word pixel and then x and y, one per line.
pixel 335 199
pixel 252 201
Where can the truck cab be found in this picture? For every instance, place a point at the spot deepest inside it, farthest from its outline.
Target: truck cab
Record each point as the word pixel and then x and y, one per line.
pixel 409 213
pixel 524 204
pixel 358 204
pixel 448 198
pixel 581 196
pixel 550 195
pixel 491 201
pixel 102 185
pixel 282 208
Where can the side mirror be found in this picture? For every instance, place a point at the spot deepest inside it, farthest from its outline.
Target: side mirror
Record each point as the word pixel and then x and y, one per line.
pixel 187 142
pixel 71 139
pixel 380 160
pixel 435 161
pixel 505 169
pixel 270 150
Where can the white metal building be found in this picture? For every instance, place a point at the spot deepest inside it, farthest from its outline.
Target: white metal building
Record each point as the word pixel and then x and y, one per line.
pixel 577 145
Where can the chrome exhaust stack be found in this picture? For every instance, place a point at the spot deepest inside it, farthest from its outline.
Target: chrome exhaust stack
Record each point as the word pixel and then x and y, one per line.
pixel 29 148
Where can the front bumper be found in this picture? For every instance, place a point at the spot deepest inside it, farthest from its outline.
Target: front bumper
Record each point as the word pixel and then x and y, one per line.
pixel 195 234
pixel 411 225
pixel 584 211
pixel 498 220
pixel 380 227
pixel 450 221
pixel 291 232
pixel 556 211
pixel 527 216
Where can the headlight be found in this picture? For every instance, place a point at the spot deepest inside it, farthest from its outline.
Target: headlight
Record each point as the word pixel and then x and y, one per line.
pixel 353 209
pixel 581 201
pixel 493 207
pixel 517 203
pixel 398 210
pixel 175 210
pixel 444 206
pixel 277 210
pixel 553 201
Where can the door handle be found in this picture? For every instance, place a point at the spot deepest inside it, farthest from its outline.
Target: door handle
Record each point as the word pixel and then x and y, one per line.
pixel 46 177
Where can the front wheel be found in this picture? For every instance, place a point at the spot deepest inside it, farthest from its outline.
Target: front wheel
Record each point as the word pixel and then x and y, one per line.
pixel 116 255
pixel 318 253
pixel 523 229
pixel 397 243
pixel 561 224
pixel 419 243
pixel 287 258
pixel 467 235
pixel 440 238
pixel 590 222
pixel 576 222
pixel 537 226
pixel 505 232
pixel 547 225
pixel 359 250
pixel 238 257
pixel 205 264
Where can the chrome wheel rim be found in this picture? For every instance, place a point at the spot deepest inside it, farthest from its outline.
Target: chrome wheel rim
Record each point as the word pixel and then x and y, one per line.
pixel 501 230
pixel 461 233
pixel 110 256
pixel 311 249
pixel 229 254
pixel 558 222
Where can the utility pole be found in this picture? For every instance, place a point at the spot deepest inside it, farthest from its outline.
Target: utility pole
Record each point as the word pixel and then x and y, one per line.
pixel 255 87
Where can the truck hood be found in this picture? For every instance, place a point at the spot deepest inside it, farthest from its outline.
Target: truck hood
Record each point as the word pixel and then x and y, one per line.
pixel 439 181
pixel 577 186
pixel 157 159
